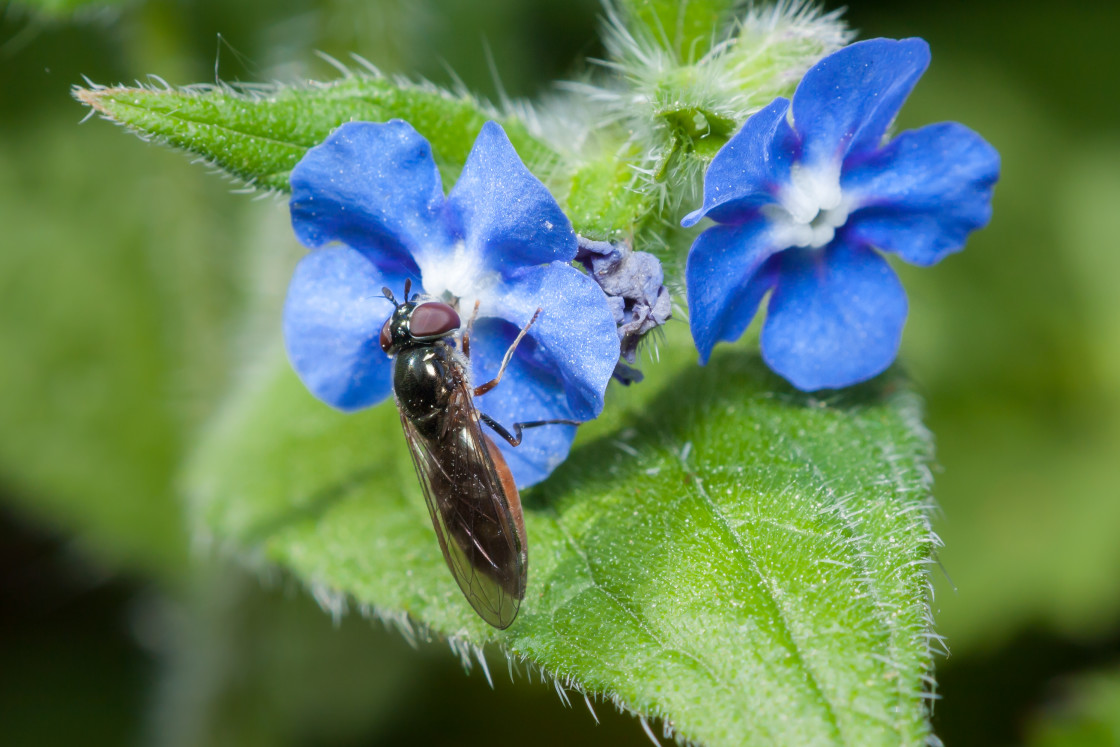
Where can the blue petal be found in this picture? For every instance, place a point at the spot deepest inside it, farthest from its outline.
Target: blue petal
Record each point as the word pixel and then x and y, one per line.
pixel 727 275
pixel 504 212
pixel 373 187
pixel 924 193
pixel 332 320
pixel 751 168
pixel 845 102
pixel 528 391
pixel 575 334
pixel 835 318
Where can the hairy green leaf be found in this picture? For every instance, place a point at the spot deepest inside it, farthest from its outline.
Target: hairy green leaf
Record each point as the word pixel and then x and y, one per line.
pixel 258 135
pixel 747 563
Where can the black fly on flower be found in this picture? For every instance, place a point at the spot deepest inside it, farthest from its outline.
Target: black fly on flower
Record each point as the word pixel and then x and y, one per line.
pixel 498 245
pixel 469 490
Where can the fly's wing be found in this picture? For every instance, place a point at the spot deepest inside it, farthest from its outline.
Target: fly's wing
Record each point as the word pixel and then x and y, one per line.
pixel 475 510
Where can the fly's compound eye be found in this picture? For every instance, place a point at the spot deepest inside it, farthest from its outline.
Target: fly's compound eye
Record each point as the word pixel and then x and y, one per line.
pixel 386 335
pixel 431 320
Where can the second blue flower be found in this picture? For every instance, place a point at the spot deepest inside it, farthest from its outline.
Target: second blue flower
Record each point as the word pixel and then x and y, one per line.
pixel 806 191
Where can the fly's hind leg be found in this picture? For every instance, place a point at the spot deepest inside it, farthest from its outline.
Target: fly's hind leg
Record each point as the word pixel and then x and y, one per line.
pixel 515 438
pixel 484 388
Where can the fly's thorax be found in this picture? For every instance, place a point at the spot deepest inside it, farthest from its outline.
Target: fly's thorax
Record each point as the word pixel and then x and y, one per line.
pixel 424 378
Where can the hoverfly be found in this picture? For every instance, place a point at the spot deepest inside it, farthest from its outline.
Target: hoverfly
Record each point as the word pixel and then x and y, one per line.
pixel 470 492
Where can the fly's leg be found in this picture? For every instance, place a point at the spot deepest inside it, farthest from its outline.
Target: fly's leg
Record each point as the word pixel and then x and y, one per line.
pixel 484 388
pixel 515 440
pixel 467 331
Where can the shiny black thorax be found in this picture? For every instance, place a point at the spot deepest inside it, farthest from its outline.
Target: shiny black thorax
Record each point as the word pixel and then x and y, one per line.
pixel 426 370
pixel 424 377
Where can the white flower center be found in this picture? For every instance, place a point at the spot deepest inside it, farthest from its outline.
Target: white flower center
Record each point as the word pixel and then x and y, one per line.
pixel 456 276
pixel 810 208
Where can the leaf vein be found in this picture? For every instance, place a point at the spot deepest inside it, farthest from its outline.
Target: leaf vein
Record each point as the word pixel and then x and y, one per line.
pixel 177 116
pixel 859 539
pixel 631 611
pixel 779 614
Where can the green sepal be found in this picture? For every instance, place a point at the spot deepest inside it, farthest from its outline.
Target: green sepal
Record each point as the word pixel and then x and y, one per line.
pixel 684 28
pixel 604 201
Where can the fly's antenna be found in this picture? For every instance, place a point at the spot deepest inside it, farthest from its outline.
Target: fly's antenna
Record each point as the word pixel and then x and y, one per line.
pixel 407 289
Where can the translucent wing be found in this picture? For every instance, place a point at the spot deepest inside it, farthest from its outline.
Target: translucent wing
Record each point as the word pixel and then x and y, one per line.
pixel 475 509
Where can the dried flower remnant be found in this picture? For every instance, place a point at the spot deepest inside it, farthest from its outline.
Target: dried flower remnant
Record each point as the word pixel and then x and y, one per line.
pixel 638 298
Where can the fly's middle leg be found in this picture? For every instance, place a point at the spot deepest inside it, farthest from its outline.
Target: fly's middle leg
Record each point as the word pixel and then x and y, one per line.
pixel 484 388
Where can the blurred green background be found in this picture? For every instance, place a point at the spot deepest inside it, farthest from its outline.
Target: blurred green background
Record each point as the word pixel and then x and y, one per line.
pixel 127 278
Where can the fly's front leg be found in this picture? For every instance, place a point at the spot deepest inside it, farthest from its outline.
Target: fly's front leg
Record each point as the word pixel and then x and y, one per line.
pixel 515 439
pixel 484 388
pixel 467 331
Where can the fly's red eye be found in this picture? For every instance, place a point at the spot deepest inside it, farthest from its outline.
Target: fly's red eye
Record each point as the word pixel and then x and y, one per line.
pixel 386 335
pixel 432 319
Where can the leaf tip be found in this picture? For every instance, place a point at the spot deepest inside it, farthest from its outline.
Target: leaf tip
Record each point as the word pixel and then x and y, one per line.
pixel 88 96
pixel 97 97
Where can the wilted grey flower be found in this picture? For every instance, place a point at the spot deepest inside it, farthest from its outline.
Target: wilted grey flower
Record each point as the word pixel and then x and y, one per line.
pixel 633 282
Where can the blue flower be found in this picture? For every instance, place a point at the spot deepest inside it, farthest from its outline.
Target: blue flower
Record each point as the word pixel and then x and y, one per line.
pixel 498 238
pixel 803 192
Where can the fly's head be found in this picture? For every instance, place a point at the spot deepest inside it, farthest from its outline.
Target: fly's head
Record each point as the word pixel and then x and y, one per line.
pixel 417 321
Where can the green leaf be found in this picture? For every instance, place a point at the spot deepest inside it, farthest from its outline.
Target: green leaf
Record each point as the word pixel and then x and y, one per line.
pixel 745 562
pixel 685 28
pixel 259 136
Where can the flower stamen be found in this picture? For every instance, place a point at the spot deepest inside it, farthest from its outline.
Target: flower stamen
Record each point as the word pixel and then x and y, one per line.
pixel 809 209
pixel 457 274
